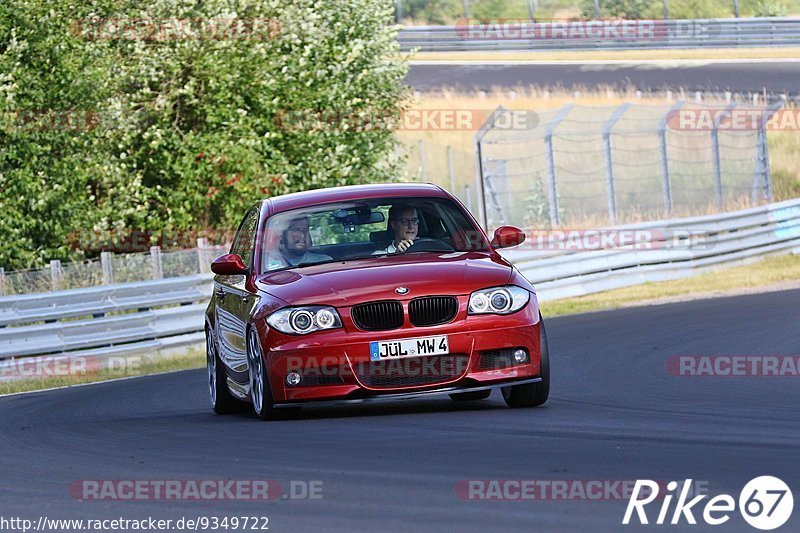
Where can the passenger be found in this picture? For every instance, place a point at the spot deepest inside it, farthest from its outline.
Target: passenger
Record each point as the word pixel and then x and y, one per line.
pixel 294 247
pixel 404 223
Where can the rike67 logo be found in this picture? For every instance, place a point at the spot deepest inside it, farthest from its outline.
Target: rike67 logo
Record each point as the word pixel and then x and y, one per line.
pixel 765 503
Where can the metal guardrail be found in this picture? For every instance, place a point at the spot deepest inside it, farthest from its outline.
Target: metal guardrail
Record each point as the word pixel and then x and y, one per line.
pixel 706 241
pixel 502 35
pixel 117 319
pixel 151 315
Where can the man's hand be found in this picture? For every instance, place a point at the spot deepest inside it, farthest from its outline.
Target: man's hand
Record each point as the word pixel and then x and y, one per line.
pixel 404 245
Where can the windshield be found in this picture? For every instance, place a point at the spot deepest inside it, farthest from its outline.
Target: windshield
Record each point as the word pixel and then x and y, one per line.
pixel 367 228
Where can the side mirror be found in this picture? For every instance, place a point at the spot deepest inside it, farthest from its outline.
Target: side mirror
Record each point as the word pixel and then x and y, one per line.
pixel 507 236
pixel 228 265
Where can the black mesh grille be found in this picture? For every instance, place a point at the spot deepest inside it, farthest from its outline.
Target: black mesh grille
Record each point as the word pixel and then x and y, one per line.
pixel 412 371
pixel 432 310
pixel 495 359
pixel 378 316
pixel 321 376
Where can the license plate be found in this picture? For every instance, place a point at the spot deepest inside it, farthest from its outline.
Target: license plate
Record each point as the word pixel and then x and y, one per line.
pixel 418 347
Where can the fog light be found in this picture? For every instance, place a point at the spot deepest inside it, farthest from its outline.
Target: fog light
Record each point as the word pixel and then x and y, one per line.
pixel 293 378
pixel 520 356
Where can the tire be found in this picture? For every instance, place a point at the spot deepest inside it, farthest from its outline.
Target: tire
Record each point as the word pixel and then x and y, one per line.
pixel 222 401
pixel 532 394
pixel 471 396
pixel 260 392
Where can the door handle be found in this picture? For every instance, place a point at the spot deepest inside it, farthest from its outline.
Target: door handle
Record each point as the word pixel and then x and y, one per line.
pixel 219 293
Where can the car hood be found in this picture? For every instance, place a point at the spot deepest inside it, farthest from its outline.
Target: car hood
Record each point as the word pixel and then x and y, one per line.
pixel 346 283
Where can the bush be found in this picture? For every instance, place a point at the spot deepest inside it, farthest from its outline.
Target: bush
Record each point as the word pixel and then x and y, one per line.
pixel 769 8
pixel 187 135
pixel 625 9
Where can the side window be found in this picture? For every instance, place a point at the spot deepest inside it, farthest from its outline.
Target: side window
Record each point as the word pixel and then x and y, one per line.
pixel 245 238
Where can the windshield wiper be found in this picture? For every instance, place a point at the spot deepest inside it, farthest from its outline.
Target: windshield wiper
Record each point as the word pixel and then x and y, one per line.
pixel 312 263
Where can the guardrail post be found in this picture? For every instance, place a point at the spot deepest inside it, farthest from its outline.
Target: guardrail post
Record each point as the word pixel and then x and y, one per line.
pixel 466 9
pixel 550 164
pixel 450 170
pixel 398 11
pixel 108 268
pixel 610 188
pixel 2 281
pixel 55 275
pixel 155 262
pixel 202 255
pixel 666 11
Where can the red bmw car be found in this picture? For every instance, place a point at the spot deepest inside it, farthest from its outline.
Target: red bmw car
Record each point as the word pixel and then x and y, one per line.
pixel 370 293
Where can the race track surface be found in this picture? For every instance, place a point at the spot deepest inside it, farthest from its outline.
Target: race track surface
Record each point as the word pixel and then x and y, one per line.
pixel 615 414
pixel 742 77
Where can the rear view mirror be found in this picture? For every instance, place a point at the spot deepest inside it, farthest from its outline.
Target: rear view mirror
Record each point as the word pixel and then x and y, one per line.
pixel 358 217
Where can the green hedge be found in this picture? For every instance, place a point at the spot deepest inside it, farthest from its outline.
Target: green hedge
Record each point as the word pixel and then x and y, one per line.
pixel 118 131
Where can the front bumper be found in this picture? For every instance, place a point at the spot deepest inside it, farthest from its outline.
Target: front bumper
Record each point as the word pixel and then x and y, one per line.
pixel 342 356
pixel 395 396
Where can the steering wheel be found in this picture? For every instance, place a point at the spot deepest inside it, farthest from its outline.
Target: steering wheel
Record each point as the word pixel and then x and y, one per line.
pixel 426 244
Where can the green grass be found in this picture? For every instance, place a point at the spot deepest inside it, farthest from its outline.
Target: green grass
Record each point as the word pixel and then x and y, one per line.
pixel 768 271
pixel 193 359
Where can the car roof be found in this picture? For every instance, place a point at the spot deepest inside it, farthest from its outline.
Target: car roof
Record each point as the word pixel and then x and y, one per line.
pixel 297 200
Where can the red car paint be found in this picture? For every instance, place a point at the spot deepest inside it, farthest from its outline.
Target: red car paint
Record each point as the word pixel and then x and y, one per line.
pixel 243 302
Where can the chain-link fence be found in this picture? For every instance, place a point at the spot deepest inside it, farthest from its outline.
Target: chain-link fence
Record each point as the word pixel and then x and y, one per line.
pixel 606 165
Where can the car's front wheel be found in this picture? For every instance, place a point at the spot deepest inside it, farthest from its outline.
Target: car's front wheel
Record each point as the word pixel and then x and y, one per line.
pixel 532 394
pixel 221 399
pixel 260 392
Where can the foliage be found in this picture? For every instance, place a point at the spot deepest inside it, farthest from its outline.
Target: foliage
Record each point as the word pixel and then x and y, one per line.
pixel 626 9
pixel 185 133
pixel 769 8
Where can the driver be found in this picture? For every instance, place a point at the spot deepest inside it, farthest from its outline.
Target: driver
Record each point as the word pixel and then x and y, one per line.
pixel 294 246
pixel 404 222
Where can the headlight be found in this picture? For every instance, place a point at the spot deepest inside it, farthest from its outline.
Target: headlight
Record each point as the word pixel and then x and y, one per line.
pixel 498 300
pixel 303 320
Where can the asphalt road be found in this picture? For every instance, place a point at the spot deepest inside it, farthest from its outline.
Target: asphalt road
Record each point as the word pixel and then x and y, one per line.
pixel 615 414
pixel 742 77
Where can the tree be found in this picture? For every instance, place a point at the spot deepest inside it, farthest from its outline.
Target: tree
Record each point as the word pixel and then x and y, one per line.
pixel 189 100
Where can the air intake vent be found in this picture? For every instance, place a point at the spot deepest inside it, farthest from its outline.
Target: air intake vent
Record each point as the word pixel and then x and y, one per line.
pixel 412 371
pixel 432 310
pixel 378 316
